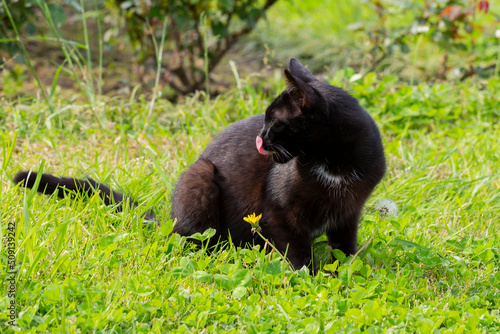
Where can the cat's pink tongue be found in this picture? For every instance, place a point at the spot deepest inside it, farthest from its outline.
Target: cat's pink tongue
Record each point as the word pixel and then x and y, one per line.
pixel 258 143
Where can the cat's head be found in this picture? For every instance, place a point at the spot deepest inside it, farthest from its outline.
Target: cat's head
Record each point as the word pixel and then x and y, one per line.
pixel 291 116
pixel 309 117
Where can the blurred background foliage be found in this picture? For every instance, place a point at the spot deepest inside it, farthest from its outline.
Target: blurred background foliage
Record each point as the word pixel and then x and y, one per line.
pixel 179 46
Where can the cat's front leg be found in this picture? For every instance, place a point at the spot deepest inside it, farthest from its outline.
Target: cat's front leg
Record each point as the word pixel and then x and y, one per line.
pixel 296 248
pixel 344 237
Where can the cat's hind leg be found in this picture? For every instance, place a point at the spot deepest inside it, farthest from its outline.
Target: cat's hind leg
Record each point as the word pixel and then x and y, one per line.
pixel 195 203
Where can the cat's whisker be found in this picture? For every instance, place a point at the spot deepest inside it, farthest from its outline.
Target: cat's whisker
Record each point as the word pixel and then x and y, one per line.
pixel 284 152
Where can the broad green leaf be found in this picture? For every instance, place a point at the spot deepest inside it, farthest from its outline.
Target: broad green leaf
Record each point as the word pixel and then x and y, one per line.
pixel 242 277
pixel 223 281
pixel 201 276
pixel 57 14
pixel 52 292
pixel 239 292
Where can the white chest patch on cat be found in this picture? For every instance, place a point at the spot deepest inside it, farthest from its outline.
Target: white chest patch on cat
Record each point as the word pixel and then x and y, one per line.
pixel 330 180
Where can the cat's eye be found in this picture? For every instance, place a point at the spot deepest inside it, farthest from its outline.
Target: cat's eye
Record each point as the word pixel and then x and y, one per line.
pixel 279 126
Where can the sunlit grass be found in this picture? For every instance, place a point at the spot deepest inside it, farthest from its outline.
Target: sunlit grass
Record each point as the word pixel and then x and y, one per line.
pixel 84 266
pixel 432 266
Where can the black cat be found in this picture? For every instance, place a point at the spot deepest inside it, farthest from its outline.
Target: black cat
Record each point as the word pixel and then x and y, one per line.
pixel 308 165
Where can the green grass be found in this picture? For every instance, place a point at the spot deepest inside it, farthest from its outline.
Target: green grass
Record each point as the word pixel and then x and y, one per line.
pixel 82 267
pixel 313 31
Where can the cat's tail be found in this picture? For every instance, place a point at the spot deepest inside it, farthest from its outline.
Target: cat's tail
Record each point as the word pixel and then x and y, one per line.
pixel 65 186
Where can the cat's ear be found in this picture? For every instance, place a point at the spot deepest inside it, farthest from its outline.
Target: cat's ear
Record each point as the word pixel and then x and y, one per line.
pixel 299 71
pixel 299 89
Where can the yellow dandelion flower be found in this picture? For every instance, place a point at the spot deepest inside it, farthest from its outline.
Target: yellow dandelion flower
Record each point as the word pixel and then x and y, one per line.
pixel 253 219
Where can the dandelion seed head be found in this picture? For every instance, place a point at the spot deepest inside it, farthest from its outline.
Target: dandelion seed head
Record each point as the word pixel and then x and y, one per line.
pixel 387 208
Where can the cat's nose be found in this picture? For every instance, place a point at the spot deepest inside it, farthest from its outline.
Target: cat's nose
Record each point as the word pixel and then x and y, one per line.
pixel 267 134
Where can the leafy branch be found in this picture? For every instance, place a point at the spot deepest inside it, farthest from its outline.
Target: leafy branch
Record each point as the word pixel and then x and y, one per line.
pixel 189 46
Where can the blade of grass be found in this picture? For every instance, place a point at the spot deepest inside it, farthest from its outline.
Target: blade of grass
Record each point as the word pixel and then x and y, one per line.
pixel 54 80
pixel 99 33
pixel 90 81
pixel 7 151
pixel 26 56
pixel 159 56
pixel 63 40
pixel 6 40
pixel 64 46
pixel 74 54
pixel 203 19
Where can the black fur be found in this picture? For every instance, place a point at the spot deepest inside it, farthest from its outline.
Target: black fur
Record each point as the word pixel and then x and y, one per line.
pixel 327 159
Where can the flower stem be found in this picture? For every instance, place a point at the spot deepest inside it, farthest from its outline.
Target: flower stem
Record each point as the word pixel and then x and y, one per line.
pixel 283 257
